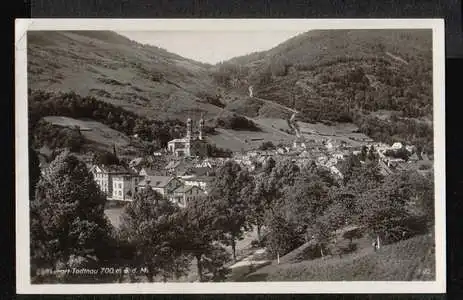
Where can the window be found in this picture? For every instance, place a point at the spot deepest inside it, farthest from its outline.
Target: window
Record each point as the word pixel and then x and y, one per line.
pixel 120 193
pixel 120 185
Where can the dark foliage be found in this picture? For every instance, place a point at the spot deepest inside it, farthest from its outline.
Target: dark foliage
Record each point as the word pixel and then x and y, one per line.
pixel 237 122
pixel 70 104
pixel 267 146
pixel 52 136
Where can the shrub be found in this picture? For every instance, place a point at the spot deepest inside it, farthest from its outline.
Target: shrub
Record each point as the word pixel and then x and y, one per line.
pixel 237 123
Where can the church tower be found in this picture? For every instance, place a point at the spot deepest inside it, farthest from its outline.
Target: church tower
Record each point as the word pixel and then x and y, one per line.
pixel 188 128
pixel 201 126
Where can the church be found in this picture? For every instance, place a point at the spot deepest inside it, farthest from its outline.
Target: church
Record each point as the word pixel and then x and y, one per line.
pixel 186 147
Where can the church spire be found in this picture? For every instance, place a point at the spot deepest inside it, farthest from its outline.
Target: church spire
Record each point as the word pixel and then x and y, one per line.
pixel 188 128
pixel 201 125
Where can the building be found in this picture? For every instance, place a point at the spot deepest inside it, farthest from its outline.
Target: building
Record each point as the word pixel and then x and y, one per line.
pixel 185 194
pixel 178 167
pixel 199 171
pixel 203 182
pixel 149 172
pixel 184 147
pixel 115 181
pixel 164 185
pixel 124 186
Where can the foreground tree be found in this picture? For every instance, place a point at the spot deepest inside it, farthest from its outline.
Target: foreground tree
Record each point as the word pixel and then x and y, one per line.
pixel 67 216
pixel 283 236
pixel 229 207
pixel 306 200
pixel 152 225
pixel 200 236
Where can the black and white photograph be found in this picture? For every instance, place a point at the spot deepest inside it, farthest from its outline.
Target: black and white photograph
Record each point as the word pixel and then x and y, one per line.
pixel 230 156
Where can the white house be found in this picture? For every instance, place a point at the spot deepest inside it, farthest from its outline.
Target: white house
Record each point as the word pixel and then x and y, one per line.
pixel 104 177
pixel 124 186
pixel 204 182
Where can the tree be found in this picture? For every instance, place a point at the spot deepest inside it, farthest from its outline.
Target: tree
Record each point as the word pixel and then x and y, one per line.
pixel 306 200
pixel 200 236
pixel 67 216
pixel 281 177
pixel 34 172
pixel 229 206
pixel 267 146
pixel 106 158
pixel 283 236
pixel 153 226
pixel 256 204
pixel 214 262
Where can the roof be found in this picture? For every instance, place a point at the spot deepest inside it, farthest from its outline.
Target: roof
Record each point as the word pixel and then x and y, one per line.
pixel 178 141
pixel 186 188
pixel 151 171
pixel 114 169
pixel 156 181
pixel 201 178
pixel 136 161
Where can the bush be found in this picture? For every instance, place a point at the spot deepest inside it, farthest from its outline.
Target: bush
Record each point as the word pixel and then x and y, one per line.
pixel 267 146
pixel 236 122
pixel 400 153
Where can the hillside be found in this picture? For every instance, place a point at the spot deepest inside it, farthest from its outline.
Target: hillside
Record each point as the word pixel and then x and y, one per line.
pixel 341 75
pixel 411 259
pixel 144 79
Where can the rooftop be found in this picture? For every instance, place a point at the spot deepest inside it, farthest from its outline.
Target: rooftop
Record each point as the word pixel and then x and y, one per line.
pixel 156 181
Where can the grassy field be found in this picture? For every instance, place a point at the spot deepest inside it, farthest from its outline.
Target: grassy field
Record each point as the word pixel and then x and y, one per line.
pixel 346 132
pixel 412 259
pixel 94 132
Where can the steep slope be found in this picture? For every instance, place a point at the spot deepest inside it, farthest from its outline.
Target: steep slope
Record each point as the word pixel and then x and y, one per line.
pixel 341 75
pixel 144 79
pixel 408 260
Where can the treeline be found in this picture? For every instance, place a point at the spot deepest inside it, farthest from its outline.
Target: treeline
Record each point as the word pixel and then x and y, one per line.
pixel 70 104
pixel 406 131
pixel 204 149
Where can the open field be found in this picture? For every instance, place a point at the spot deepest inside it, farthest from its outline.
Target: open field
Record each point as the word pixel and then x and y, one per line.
pixel 93 131
pixel 274 130
pixel 412 259
pixel 338 132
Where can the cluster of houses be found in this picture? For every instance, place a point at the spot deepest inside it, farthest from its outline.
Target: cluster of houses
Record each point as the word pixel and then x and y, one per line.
pixel 186 178
pixel 120 183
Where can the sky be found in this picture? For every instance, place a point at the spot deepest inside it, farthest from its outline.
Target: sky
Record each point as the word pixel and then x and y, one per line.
pixel 211 46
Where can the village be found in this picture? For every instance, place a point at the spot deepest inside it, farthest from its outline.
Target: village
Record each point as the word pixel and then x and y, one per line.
pixel 187 175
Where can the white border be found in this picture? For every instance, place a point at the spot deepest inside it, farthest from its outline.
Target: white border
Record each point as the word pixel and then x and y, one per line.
pixel 23 285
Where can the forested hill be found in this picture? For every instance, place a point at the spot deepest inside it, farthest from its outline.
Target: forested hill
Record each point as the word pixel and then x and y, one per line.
pixel 143 79
pixel 343 75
